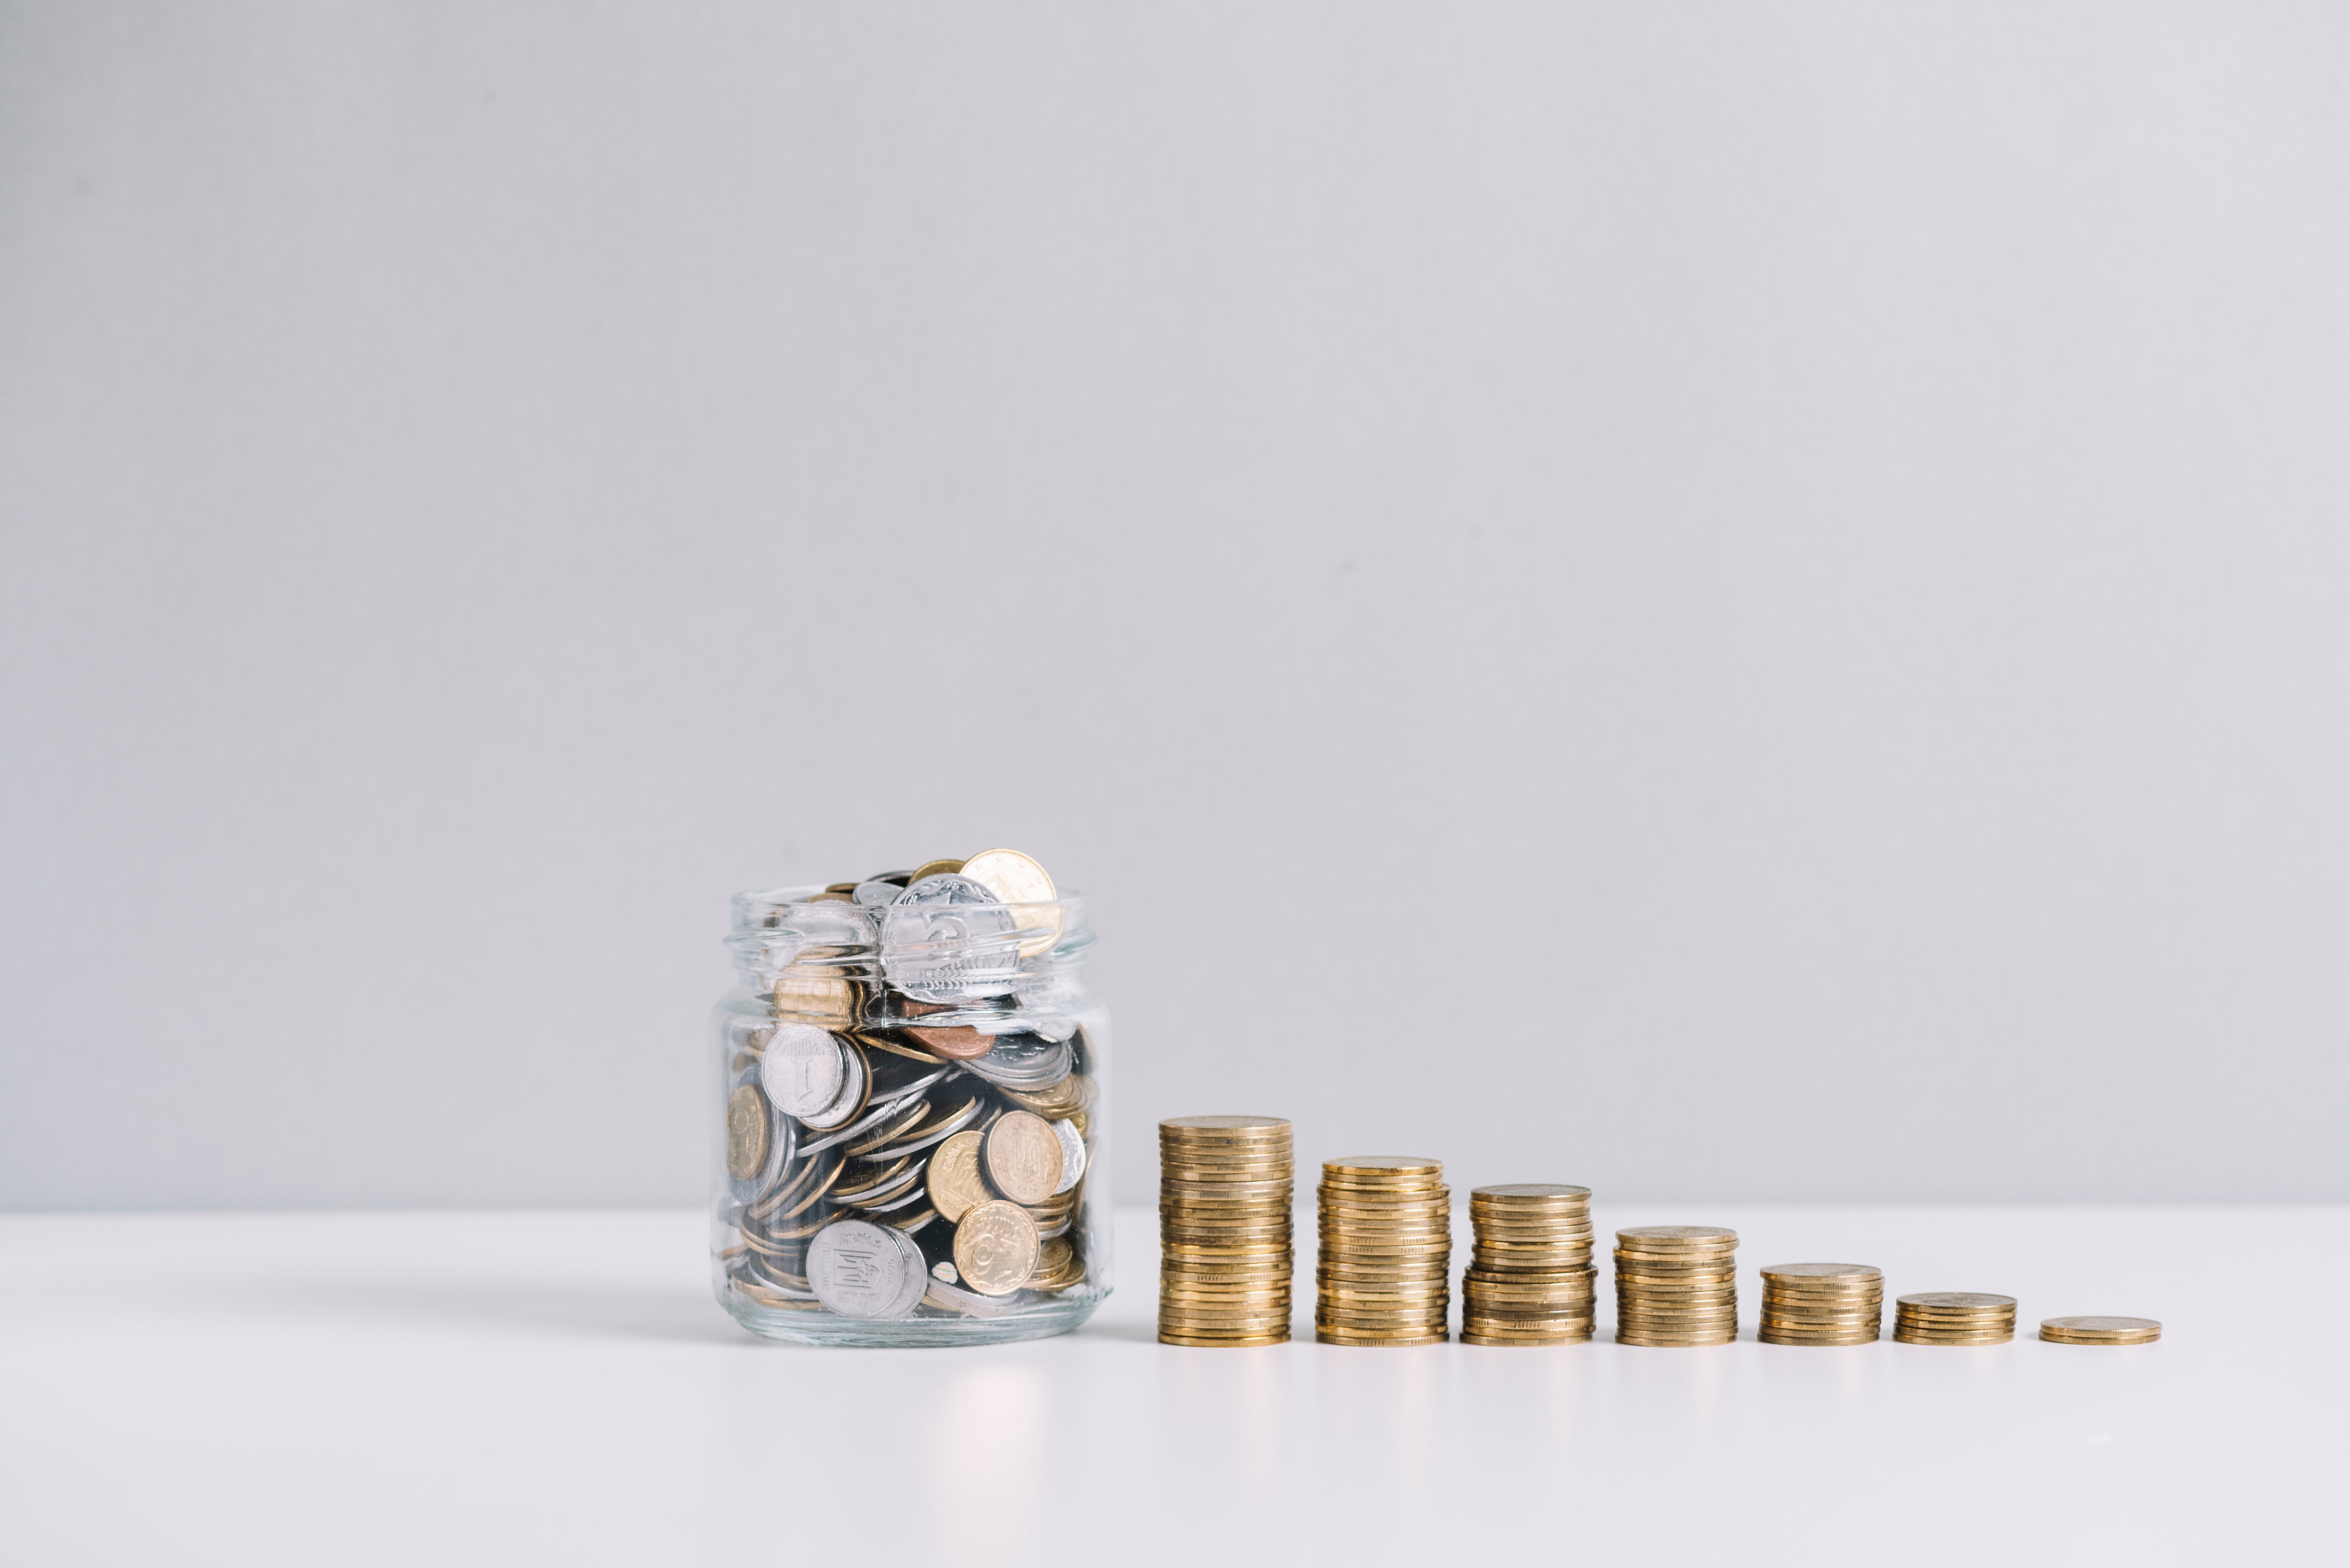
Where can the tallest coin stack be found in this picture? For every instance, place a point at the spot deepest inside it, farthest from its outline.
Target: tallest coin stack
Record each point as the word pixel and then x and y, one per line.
pixel 1225 1190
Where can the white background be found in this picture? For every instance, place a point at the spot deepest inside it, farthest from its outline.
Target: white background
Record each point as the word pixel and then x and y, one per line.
pixel 1734 601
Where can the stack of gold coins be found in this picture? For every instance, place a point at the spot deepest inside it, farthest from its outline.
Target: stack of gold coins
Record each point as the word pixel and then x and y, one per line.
pixel 1954 1318
pixel 1676 1285
pixel 1225 1184
pixel 1529 1280
pixel 1386 1251
pixel 1822 1304
pixel 2100 1330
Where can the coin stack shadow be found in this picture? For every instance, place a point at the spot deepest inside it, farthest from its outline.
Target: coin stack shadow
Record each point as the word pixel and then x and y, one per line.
pixel 1822 1304
pixel 1954 1318
pixel 1676 1285
pixel 1225 1186
pixel 1386 1265
pixel 2100 1330
pixel 1530 1276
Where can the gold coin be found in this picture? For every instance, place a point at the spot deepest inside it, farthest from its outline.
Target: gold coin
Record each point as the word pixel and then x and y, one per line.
pixel 1227 1127
pixel 1384 1165
pixel 748 1123
pixel 2100 1327
pixel 1276 1306
pixel 1958 1301
pixel 1067 1100
pixel 932 868
pixel 996 1247
pixel 1531 1192
pixel 1021 1157
pixel 953 1181
pixel 1224 1249
pixel 1819 1326
pixel 1021 883
pixel 1679 1236
pixel 1824 1273
pixel 815 996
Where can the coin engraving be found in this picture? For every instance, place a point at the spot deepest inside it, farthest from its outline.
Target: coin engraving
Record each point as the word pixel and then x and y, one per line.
pixel 803 1069
pixel 947 938
pixel 856 1268
pixel 1023 1157
pixel 996 1247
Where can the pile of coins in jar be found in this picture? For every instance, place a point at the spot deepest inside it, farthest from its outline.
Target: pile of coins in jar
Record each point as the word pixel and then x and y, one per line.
pixel 907 1133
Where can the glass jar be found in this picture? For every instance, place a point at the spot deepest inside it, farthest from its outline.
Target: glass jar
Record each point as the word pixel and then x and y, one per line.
pixel 912 1109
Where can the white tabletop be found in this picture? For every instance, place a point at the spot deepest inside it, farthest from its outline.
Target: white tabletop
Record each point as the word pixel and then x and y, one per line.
pixel 409 1388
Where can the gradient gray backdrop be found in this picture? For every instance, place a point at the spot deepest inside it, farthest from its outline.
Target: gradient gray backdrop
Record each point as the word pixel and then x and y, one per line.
pixel 1741 600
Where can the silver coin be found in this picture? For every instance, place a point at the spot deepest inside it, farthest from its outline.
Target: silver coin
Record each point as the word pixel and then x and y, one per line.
pixel 900 1100
pixel 851 1097
pixel 1024 1061
pixel 939 1133
pixel 804 1070
pixel 949 938
pixel 858 1269
pixel 893 1194
pixel 882 889
pixel 1073 1155
pixel 917 1279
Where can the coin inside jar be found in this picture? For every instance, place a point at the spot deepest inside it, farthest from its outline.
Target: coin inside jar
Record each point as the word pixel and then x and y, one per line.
pixel 1016 879
pixel 996 1247
pixel 955 1184
pixel 958 1042
pixel 803 1069
pixel 1023 1157
pixel 746 1132
pixel 859 1269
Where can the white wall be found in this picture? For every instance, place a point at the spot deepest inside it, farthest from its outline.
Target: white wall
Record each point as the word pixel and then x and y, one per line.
pixel 1739 601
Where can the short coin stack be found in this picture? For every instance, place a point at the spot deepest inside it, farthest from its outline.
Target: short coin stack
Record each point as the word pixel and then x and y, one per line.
pixel 1529 1282
pixel 1954 1318
pixel 1822 1304
pixel 1386 1251
pixel 1676 1285
pixel 1224 1188
pixel 2100 1330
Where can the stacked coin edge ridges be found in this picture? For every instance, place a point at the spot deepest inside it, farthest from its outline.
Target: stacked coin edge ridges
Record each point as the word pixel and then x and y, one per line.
pixel 1953 1317
pixel 1822 1304
pixel 1676 1285
pixel 1530 1280
pixel 1382 1276
pixel 1226 1253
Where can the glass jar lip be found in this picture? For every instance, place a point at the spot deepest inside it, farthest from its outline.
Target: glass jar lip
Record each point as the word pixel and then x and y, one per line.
pixel 802 896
